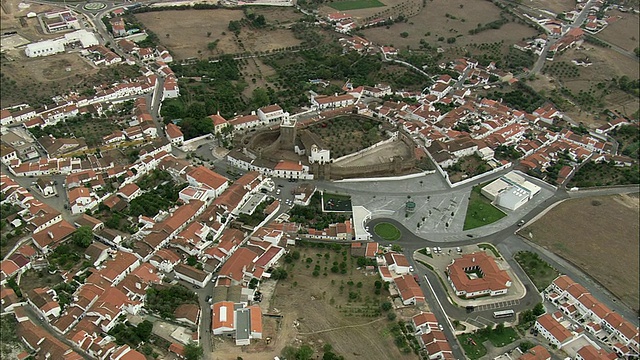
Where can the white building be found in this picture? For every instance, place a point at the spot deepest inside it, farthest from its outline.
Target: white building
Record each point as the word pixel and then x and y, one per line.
pixel 50 47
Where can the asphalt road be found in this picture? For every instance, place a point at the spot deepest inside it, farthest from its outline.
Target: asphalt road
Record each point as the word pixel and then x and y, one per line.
pixel 508 244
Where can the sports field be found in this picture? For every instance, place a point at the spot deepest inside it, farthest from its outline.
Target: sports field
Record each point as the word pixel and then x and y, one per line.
pixel 387 231
pixel 356 4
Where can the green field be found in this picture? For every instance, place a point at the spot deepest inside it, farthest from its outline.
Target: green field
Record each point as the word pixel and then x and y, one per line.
pixel 498 337
pixel 480 211
pixel 387 231
pixel 356 4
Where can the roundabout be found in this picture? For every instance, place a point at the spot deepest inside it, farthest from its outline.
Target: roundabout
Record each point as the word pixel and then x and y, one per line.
pixel 387 231
pixel 94 6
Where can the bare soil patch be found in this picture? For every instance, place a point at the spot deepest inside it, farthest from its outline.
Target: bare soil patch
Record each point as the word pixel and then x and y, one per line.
pixel 322 307
pixel 188 39
pixel 442 19
pixel 41 78
pixel 590 232
pixel 624 32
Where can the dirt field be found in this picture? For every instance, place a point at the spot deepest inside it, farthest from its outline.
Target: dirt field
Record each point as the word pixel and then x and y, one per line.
pixel 623 32
pixel 323 310
pixel 600 229
pixel 438 25
pixel 555 6
pixel 42 78
pixel 189 39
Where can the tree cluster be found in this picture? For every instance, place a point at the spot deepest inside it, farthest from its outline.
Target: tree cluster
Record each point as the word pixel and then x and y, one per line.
pixel 165 300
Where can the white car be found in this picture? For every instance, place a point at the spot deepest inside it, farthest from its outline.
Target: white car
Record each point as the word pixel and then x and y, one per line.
pixel 440 326
pixel 410 268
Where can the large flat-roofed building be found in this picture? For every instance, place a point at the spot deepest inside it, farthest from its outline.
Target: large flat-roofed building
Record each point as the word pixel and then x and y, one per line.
pixel 49 47
pixel 477 274
pixel 510 191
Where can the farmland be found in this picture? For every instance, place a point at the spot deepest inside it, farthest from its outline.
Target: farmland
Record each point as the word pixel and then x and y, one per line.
pixel 591 88
pixel 595 227
pixel 324 302
pixel 355 4
pixel 191 39
pixel 623 31
pixel 451 20
pixel 556 6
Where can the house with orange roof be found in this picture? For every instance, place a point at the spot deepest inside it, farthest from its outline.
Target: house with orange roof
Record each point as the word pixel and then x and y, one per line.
pixel 272 114
pixel 110 306
pixel 424 322
pixel 8 268
pixel 236 320
pixel 8 300
pixel 409 290
pixel 188 314
pixel 239 265
pixel 165 259
pixel 177 349
pixel 537 352
pixel 396 262
pixel 44 344
pixel 42 300
pixel 245 122
pixel 208 180
pixel 124 352
pixel 477 274
pixel 174 134
pixel 553 331
pixel 52 236
pixel 129 191
pixel 193 239
pixel 81 199
pixel 192 275
pixel 219 123
pixel 290 170
pixel 121 264
pixel 385 274
pixel 436 345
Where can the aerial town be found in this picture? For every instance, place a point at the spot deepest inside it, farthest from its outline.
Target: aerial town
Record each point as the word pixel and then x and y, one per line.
pixel 305 179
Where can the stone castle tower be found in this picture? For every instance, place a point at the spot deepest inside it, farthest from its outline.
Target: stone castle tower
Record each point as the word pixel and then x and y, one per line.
pixel 287 137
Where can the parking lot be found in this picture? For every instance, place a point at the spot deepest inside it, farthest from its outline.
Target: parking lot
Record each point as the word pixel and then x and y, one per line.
pixel 497 305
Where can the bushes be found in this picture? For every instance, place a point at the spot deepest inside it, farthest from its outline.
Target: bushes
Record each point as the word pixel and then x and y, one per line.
pixel 126 333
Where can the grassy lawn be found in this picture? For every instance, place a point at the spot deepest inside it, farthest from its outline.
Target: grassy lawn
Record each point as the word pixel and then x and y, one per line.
pixel 497 338
pixel 541 273
pixel 387 231
pixel 356 4
pixel 472 351
pixel 490 248
pixel 480 211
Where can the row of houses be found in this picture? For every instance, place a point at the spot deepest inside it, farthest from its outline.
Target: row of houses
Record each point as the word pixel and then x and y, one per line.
pixel 577 303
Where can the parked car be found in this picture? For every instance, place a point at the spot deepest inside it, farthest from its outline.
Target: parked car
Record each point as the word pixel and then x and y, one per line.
pixel 410 268
pixel 521 222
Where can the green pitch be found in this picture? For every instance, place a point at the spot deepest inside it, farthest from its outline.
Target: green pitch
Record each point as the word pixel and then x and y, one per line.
pixel 355 4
